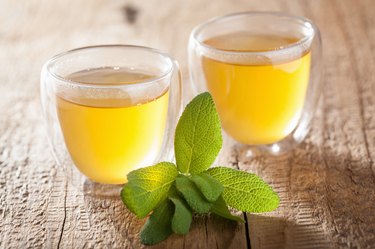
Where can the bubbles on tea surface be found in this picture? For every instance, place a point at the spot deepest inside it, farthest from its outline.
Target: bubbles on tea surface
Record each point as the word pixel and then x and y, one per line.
pixel 244 48
pixel 112 87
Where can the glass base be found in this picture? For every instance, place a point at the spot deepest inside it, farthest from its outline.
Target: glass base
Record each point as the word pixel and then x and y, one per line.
pixel 285 145
pixel 101 190
pixel 82 184
pixel 276 149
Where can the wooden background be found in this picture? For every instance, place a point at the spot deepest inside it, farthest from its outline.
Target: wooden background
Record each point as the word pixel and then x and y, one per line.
pixel 327 185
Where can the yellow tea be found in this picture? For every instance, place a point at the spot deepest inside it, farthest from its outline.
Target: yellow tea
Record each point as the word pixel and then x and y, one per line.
pixel 259 102
pixel 108 137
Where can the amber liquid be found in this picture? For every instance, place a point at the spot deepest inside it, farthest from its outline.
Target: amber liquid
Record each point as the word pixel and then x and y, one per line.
pixel 259 102
pixel 109 137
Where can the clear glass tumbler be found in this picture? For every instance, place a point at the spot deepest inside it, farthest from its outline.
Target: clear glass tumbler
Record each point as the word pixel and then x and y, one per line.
pixel 109 110
pixel 264 72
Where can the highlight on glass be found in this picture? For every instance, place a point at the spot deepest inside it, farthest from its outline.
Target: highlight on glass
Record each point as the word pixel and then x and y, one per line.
pixel 264 72
pixel 110 109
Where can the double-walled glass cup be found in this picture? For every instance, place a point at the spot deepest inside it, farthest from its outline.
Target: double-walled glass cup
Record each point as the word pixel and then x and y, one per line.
pixel 264 73
pixel 109 110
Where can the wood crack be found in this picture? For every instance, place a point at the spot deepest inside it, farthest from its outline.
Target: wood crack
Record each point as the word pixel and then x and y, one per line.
pixel 64 219
pixel 247 232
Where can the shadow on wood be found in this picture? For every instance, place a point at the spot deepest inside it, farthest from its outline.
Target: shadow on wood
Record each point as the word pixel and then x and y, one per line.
pixel 322 190
pixel 205 232
pixel 273 232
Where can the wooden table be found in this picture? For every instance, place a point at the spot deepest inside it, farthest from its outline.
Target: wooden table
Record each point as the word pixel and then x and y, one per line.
pixel 326 185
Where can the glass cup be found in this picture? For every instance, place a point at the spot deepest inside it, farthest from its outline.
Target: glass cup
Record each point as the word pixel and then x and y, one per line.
pixel 264 73
pixel 109 110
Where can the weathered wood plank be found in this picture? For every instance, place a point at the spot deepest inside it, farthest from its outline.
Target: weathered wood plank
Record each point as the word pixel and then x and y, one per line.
pixel 326 185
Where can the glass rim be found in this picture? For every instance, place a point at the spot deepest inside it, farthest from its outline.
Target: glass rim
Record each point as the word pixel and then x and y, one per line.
pixel 305 39
pixel 54 59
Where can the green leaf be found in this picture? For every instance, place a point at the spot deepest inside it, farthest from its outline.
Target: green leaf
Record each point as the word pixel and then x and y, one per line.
pixel 192 195
pixel 174 197
pixel 147 187
pixel 182 216
pixel 158 226
pixel 209 186
pixel 198 135
pixel 245 191
pixel 220 208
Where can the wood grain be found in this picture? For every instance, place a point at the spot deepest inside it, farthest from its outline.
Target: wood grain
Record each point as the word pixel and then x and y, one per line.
pixel 326 185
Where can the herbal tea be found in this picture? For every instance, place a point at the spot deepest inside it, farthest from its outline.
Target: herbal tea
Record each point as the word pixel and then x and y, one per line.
pixel 109 137
pixel 259 102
